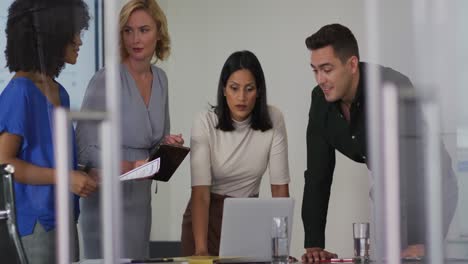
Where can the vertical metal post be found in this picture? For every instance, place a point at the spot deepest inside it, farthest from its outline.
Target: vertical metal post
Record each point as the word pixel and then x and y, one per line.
pixel 435 239
pixel 62 178
pixel 431 36
pixel 439 35
pixel 111 156
pixel 110 135
pixel 391 172
pixel 374 125
pixel 63 196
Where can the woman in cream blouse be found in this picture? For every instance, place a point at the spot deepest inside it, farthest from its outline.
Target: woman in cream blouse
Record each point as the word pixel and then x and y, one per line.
pixel 232 147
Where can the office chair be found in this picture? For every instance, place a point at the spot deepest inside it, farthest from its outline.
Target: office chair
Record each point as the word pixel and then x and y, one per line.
pixel 11 249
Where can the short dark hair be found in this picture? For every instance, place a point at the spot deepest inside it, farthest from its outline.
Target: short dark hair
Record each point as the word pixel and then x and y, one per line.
pixel 339 37
pixel 38 32
pixel 241 60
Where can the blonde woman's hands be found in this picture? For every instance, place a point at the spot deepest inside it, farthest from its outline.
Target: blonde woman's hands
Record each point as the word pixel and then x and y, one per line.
pixel 174 139
pixel 138 163
pixel 126 166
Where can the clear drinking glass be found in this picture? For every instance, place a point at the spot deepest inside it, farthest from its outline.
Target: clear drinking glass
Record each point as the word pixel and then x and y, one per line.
pixel 279 239
pixel 361 241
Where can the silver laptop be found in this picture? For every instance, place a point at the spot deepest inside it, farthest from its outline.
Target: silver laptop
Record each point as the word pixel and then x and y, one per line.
pixel 247 224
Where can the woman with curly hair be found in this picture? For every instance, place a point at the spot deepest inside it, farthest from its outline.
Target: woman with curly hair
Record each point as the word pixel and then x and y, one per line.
pixel 42 35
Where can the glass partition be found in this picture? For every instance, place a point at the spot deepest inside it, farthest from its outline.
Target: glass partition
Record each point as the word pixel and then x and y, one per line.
pixel 423 40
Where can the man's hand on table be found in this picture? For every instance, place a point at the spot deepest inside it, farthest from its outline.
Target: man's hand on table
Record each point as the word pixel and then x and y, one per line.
pixel 317 254
pixel 414 251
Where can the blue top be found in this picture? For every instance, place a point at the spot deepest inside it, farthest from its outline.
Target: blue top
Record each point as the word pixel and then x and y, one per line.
pixel 26 112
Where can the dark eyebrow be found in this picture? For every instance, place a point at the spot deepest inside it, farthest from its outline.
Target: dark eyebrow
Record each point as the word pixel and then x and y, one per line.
pixel 321 65
pixel 248 84
pixel 325 65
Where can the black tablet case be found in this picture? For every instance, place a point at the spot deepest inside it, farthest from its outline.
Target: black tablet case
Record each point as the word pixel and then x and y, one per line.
pixel 171 157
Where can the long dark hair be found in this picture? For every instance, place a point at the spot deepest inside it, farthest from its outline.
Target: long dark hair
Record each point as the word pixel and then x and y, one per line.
pixel 241 60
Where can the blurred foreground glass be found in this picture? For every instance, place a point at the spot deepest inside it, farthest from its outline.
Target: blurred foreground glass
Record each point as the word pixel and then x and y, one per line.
pixel 279 239
pixel 361 241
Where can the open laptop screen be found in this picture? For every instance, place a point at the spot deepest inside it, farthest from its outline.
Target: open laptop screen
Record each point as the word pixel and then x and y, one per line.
pixel 247 224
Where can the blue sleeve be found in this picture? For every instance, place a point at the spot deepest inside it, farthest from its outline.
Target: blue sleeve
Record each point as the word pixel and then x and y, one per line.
pixel 14 108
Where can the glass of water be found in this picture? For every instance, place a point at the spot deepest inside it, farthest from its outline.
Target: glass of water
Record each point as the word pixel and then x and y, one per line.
pixel 279 239
pixel 361 241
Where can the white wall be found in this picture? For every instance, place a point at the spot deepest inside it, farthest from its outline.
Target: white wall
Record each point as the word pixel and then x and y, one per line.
pixel 204 33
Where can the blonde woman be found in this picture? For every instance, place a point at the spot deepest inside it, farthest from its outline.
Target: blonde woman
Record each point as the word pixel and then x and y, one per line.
pixel 144 39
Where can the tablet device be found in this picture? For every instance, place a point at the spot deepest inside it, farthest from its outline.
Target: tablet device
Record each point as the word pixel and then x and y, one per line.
pixel 171 157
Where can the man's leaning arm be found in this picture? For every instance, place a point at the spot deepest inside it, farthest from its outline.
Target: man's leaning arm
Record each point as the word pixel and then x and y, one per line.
pixel 317 178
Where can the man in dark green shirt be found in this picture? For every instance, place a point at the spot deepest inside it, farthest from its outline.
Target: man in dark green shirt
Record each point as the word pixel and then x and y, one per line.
pixel 337 119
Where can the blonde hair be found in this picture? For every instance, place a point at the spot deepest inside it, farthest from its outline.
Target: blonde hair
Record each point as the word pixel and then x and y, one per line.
pixel 163 47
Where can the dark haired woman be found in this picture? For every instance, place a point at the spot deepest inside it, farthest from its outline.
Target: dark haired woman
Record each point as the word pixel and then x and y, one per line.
pixel 41 37
pixel 232 147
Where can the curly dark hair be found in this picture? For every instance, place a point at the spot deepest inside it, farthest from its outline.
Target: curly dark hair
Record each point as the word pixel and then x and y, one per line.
pixel 260 117
pixel 38 32
pixel 339 37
